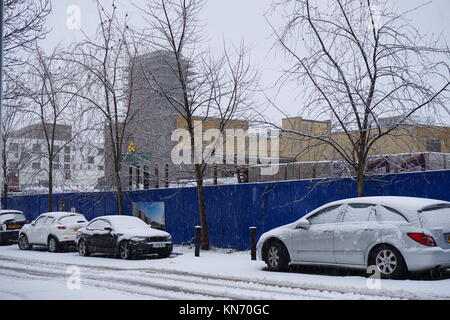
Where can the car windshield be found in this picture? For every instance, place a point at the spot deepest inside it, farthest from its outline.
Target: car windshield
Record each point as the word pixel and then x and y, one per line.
pixel 128 223
pixel 436 217
pixel 16 216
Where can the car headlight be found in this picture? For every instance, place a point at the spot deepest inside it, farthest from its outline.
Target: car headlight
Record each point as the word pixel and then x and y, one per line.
pixel 169 238
pixel 138 239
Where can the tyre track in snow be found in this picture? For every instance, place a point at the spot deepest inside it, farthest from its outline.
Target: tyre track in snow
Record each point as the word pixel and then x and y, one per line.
pixel 190 287
pixel 182 282
pixel 41 276
pixel 129 287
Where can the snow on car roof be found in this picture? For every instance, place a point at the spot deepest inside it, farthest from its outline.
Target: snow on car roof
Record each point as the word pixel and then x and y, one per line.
pixel 9 211
pixel 123 221
pixel 60 213
pixel 395 202
pixel 118 217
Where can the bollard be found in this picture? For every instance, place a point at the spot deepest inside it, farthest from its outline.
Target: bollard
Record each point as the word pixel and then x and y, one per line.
pixel 253 242
pixel 198 230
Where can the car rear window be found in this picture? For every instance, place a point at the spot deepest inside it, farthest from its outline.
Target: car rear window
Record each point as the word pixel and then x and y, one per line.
pixel 358 212
pixel 72 219
pixel 436 217
pixel 13 215
pixel 389 214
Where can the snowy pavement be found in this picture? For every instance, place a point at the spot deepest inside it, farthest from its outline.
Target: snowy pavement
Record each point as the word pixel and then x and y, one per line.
pixel 217 274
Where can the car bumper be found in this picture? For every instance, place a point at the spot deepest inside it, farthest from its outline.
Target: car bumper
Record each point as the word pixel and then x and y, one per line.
pixel 12 235
pixel 67 238
pixel 141 248
pixel 427 258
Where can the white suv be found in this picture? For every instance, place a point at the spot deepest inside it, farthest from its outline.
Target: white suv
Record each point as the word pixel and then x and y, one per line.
pixel 51 229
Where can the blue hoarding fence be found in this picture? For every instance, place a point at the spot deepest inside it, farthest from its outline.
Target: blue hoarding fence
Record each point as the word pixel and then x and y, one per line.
pixel 232 209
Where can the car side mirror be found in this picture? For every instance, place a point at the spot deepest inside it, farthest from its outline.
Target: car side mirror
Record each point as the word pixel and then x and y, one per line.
pixel 303 224
pixel 109 229
pixel 33 223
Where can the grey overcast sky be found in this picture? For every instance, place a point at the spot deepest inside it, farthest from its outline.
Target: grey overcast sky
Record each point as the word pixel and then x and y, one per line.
pixel 233 20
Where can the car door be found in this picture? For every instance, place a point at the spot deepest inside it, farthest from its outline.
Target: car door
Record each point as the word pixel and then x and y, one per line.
pixel 357 229
pixel 35 230
pixel 107 238
pixel 316 243
pixel 45 230
pixel 98 239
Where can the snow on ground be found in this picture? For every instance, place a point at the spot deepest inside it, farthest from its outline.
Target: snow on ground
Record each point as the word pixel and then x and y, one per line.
pixel 216 274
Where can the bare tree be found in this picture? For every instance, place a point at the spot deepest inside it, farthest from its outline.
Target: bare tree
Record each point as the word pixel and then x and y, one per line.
pixel 105 65
pixel 13 162
pixel 46 87
pixel 205 86
pixel 24 24
pixel 356 62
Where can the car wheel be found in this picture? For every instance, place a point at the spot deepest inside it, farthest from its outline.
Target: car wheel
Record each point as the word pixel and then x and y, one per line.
pixel 83 249
pixel 125 250
pixel 388 261
pixel 276 257
pixel 23 243
pixel 53 244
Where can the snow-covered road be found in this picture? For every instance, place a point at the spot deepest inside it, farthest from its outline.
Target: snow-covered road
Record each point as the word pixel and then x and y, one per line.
pixel 217 274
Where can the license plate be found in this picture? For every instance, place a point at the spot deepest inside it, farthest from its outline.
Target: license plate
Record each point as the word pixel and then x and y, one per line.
pixel 158 245
pixel 14 226
pixel 75 229
pixel 448 238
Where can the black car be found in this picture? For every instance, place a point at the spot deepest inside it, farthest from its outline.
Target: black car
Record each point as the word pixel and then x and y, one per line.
pixel 11 221
pixel 124 236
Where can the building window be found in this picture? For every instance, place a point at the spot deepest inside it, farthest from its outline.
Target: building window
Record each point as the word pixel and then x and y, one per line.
pixel 36 166
pixel 68 175
pixel 434 145
pixel 101 151
pixel 67 149
pixel 36 148
pixel 13 147
pixel 67 166
pixel 66 158
pixel 56 166
pixel 101 168
pixel 25 156
pixel 90 159
pixel 305 128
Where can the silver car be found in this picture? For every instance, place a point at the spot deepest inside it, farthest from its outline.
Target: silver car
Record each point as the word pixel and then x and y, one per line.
pixel 395 234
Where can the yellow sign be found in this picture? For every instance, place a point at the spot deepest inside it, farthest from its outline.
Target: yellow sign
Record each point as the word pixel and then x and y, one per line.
pixel 132 147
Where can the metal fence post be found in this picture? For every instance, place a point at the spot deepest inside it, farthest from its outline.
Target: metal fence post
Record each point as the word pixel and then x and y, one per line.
pixel 253 242
pixel 198 230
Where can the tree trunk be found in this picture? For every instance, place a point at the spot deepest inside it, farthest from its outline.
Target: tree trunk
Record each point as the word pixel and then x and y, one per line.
pixel 119 190
pixel 5 176
pixel 199 181
pixel 120 199
pixel 50 187
pixel 201 206
pixel 360 182
pixel 5 193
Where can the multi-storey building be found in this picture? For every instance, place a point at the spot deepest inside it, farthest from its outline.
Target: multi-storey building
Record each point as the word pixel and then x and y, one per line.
pixel 75 165
pixel 152 121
